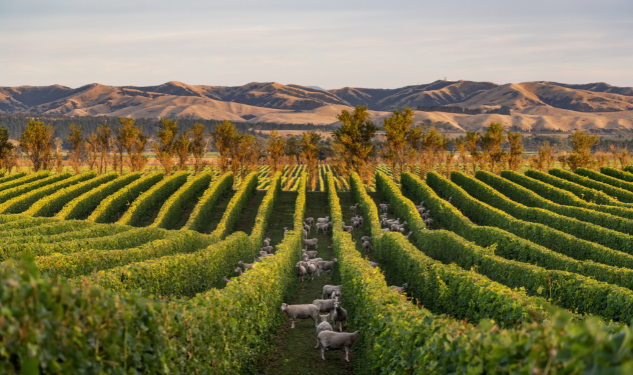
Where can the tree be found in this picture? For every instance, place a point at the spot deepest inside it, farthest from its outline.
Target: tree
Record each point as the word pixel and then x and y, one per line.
pixel 515 159
pixel 491 142
pixel 36 141
pixel 6 149
pixel 198 147
pixel 59 162
pixel 92 150
pixel 460 145
pixel 276 148
pixel 352 141
pixel 400 139
pixel 103 144
pixel 165 148
pixel 544 158
pixel 429 143
pixel 182 146
pixel 76 141
pixel 310 154
pixel 581 150
pixel 224 137
pixel 472 142
pixel 139 160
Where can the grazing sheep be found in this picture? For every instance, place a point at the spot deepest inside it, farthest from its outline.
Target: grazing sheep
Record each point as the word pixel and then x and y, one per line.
pixel 384 208
pixel 312 269
pixel 348 228
pixel 336 294
pixel 323 226
pixel 305 234
pixel 373 264
pixel 300 312
pixel 311 242
pixel 311 254
pixel 323 219
pixel 309 221
pixel 354 208
pixel 324 305
pixel 450 199
pixel 328 289
pixel 301 271
pixel 339 315
pixel 238 270
pixel 428 222
pixel 408 235
pixel 397 227
pixel 268 249
pixel 400 289
pixel 267 242
pixel 331 340
pixel 246 266
pixel 367 246
pixel 383 216
pixel 356 223
pixel 365 239
pixel 306 227
pixel 304 257
pixel 327 266
pixel 323 326
pixel 226 280
pixel 385 230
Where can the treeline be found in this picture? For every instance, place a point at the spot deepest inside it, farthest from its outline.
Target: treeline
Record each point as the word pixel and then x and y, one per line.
pixel 503 110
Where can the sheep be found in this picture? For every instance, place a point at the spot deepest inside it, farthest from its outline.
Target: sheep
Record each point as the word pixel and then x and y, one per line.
pixel 353 209
pixel 268 249
pixel 309 221
pixel 348 228
pixel 400 289
pixel 336 294
pixel 384 208
pixel 374 264
pixel 323 326
pixel 356 223
pixel 362 221
pixel 226 280
pixel 238 270
pixel 312 242
pixel 301 270
pixel 311 269
pixel 306 227
pixel 263 254
pixel 300 312
pixel 328 289
pixel 450 199
pixel 339 315
pixel 285 231
pixel 323 219
pixel 266 242
pixel 397 227
pixel 327 266
pixel 323 226
pixel 304 257
pixel 331 340
pixel 246 266
pixel 311 254
pixel 385 230
pixel 383 217
pixel 305 234
pixel 365 239
pixel 428 222
pixel 408 235
pixel 324 305
pixel 367 246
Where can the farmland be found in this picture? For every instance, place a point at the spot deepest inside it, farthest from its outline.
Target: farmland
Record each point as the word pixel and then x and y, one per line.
pixel 516 272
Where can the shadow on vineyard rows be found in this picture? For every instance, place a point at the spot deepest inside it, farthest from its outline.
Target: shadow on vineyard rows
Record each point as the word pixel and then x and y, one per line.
pixel 249 214
pixel 216 217
pixel 295 352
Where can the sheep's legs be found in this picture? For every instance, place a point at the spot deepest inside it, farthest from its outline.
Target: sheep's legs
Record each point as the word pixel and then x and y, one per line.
pixel 293 323
pixel 346 354
pixel 322 352
pixel 340 326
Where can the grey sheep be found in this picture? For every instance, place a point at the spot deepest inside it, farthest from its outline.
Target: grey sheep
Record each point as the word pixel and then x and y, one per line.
pixel 300 312
pixel 323 326
pixel 309 221
pixel 328 289
pixel 266 242
pixel 311 254
pixel 328 266
pixel 238 270
pixel 400 289
pixel 331 340
pixel 312 242
pixel 305 234
pixel 366 239
pixel 306 227
pixel 301 271
pixel 324 305
pixel 268 249
pixel 384 207
pixel 339 314
pixel 385 230
pixel 373 264
pixel 226 280
pixel 408 235
pixel 323 226
pixel 348 228
pixel 367 246
pixel 246 265
pixel 354 208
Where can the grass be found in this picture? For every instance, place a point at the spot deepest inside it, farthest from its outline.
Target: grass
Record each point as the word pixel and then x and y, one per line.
pixel 295 347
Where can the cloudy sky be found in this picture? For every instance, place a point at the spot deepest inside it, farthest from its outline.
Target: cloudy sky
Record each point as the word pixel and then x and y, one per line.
pixel 332 44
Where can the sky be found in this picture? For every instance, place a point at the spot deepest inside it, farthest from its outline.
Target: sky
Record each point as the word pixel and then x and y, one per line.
pixel 330 44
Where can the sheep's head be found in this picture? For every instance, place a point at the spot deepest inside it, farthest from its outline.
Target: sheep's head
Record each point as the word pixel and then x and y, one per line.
pixel 238 270
pixel 324 317
pixel 405 286
pixel 284 306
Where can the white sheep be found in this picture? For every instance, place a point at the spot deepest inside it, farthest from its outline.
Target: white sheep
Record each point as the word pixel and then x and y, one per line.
pixel 356 223
pixel 312 269
pixel 323 219
pixel 374 264
pixel 238 270
pixel 366 239
pixel 306 227
pixel 323 226
pixel 311 254
pixel 304 257
pixel 266 242
pixel 348 228
pixel 323 326
pixel 268 249
pixel 305 234
pixel 309 221
pixel 328 289
pixel 385 230
pixel 324 305
pixel 339 314
pixel 353 209
pixel 300 312
pixel 330 340
pixel 400 289
pixel 226 280
pixel 301 270
pixel 328 266
pixel 312 242
pixel 384 207
pixel 408 235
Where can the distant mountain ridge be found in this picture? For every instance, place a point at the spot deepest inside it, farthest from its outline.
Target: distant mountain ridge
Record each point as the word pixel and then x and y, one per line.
pixel 275 102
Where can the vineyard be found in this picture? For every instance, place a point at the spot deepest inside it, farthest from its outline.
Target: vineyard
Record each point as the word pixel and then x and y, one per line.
pixel 480 273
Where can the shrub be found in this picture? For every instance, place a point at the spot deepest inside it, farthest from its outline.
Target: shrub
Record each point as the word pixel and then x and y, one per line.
pixel 202 212
pixel 234 209
pixel 603 178
pixel 620 194
pixel 21 179
pixel 24 187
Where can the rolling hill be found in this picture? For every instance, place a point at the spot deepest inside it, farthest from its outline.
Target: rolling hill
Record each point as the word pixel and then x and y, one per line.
pixel 541 105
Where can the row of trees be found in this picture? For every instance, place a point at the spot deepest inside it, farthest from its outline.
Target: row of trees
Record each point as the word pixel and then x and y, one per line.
pixel 357 145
